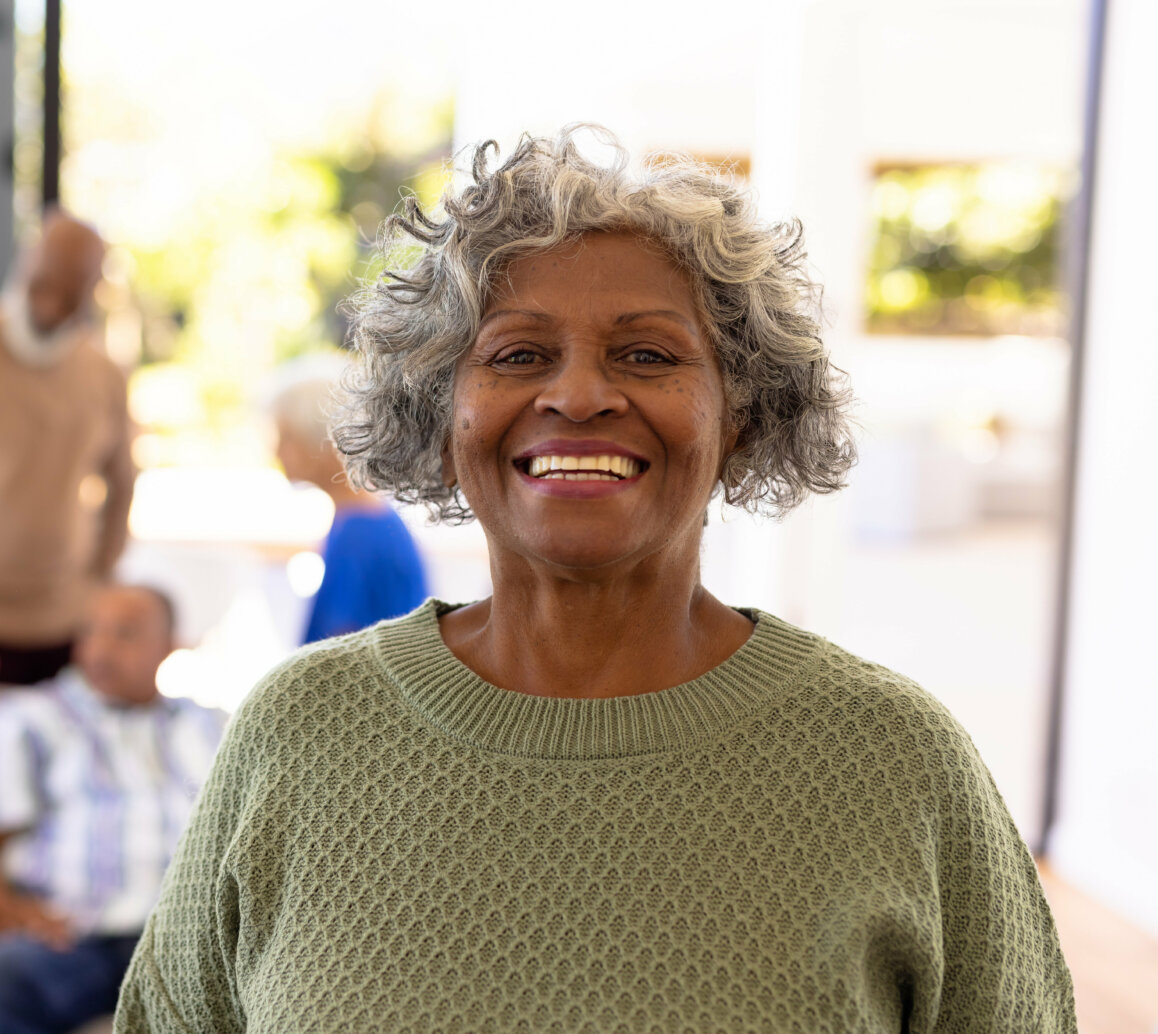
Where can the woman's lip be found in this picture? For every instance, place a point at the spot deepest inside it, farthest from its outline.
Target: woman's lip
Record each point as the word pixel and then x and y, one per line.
pixel 577 447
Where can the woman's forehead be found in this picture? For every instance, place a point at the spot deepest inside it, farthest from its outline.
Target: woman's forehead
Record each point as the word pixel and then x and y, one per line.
pixel 612 261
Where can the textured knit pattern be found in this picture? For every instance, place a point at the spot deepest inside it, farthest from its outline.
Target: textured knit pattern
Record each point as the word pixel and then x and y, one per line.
pixel 797 841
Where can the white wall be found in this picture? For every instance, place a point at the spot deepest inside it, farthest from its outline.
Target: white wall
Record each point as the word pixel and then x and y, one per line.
pixel 660 77
pixel 1107 836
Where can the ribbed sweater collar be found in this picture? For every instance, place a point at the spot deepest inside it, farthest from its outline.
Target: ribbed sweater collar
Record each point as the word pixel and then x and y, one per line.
pixel 451 697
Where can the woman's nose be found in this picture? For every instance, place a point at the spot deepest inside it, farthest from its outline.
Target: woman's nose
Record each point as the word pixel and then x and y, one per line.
pixel 581 389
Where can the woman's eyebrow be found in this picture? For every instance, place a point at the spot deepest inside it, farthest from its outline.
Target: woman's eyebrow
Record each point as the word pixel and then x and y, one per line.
pixel 670 314
pixel 538 317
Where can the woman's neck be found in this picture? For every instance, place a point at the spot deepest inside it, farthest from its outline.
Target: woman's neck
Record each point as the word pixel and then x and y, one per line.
pixel 556 635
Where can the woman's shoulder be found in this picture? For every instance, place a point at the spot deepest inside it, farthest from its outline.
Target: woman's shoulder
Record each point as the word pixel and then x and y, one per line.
pixel 322 697
pixel 871 703
pixel 350 665
pixel 878 733
pixel 827 665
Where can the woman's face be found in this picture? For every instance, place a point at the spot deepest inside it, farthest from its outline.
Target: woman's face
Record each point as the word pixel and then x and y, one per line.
pixel 590 425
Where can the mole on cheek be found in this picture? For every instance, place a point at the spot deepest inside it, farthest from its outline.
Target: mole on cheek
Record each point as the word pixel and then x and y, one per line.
pixel 465 425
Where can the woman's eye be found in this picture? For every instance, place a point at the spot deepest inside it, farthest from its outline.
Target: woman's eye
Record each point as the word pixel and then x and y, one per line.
pixel 646 356
pixel 520 357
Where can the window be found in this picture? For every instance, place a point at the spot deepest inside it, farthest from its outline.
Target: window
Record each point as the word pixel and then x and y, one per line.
pixel 966 249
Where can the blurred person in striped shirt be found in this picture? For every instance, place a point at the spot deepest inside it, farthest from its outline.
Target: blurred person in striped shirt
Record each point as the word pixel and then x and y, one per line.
pixel 98 772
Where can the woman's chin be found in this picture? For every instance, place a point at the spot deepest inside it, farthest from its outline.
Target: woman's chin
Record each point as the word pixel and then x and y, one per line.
pixel 590 555
pixel 596 558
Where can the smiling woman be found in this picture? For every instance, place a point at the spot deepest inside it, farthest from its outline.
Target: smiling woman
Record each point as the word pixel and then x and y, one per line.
pixel 600 800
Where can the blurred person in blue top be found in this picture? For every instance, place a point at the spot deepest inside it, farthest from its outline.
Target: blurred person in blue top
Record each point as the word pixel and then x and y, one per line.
pixel 98 773
pixel 373 569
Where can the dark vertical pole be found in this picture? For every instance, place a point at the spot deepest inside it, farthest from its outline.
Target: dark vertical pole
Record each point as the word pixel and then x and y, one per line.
pixel 1078 276
pixel 7 129
pixel 51 175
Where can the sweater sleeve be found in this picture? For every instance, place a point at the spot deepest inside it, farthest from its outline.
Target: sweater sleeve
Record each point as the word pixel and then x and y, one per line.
pixel 1003 968
pixel 183 975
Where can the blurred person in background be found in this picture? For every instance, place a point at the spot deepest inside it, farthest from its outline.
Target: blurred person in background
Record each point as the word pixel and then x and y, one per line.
pixel 66 474
pixel 600 799
pixel 97 776
pixel 373 569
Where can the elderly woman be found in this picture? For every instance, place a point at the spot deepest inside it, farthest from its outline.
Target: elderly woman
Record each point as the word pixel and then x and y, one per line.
pixel 600 800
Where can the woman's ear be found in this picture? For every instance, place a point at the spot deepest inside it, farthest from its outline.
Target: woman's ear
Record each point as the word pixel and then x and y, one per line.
pixel 731 442
pixel 449 477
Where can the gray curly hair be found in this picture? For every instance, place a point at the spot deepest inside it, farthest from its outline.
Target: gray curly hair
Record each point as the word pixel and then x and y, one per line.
pixel 759 307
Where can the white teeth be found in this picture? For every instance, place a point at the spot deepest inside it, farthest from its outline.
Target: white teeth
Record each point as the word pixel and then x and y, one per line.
pixel 578 475
pixel 598 467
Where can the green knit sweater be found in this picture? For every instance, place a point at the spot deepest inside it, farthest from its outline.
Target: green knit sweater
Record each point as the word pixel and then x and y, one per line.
pixel 796 841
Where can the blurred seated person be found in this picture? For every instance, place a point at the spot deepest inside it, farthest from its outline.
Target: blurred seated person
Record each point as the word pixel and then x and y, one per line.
pixel 372 568
pixel 97 776
pixel 66 475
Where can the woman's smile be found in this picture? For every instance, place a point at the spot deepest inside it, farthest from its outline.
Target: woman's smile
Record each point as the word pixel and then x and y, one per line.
pixel 579 469
pixel 589 414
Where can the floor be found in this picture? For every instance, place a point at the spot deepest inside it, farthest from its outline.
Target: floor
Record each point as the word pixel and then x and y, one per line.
pixel 1114 964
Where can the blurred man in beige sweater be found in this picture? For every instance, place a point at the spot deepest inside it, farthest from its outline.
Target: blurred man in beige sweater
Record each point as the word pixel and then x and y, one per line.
pixel 66 476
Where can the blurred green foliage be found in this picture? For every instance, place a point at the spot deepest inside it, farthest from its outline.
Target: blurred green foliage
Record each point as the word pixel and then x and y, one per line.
pixel 28 130
pixel 284 263
pixel 248 282
pixel 235 230
pixel 966 249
